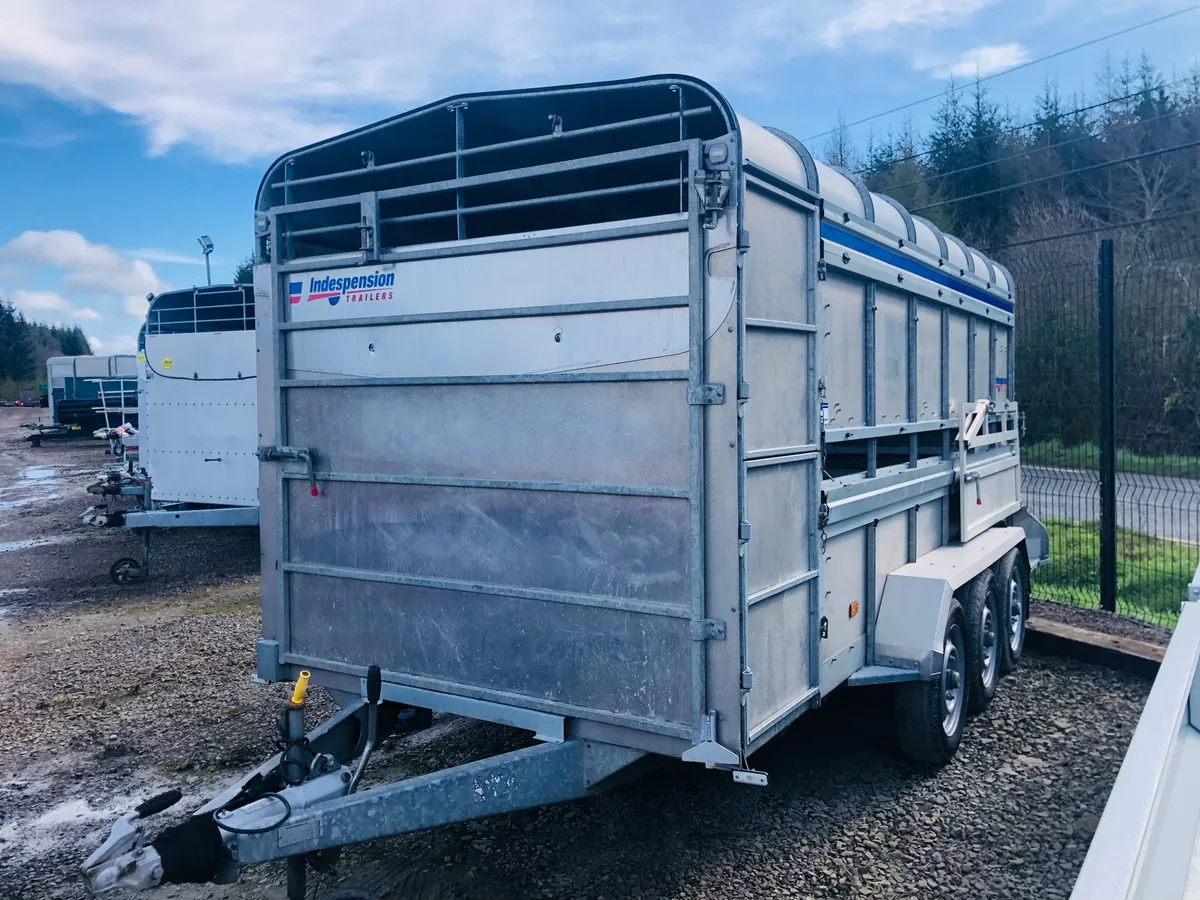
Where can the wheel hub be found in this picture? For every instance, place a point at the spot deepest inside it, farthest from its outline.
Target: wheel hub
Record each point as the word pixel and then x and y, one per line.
pixel 988 645
pixel 1016 613
pixel 952 680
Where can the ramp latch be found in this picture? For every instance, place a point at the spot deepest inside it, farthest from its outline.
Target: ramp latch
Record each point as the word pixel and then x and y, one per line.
pixel 291 454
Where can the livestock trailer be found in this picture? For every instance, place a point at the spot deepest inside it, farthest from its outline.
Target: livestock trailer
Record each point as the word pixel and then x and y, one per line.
pixel 199 431
pixel 603 413
pixel 82 389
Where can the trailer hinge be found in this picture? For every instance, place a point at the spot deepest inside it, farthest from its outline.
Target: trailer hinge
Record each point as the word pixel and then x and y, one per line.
pixel 713 188
pixel 706 395
pixel 708 751
pixel 747 680
pixel 822 270
pixel 744 531
pixel 743 239
pixel 708 630
pixel 744 390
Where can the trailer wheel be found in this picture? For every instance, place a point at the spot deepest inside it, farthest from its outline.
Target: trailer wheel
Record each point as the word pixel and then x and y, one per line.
pixel 126 571
pixel 1012 585
pixel 930 714
pixel 984 639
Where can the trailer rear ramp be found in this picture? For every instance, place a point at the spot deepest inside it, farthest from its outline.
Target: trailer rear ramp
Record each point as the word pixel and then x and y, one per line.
pixel 502 506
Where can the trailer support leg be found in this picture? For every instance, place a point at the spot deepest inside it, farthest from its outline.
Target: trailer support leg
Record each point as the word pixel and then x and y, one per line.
pixel 297 878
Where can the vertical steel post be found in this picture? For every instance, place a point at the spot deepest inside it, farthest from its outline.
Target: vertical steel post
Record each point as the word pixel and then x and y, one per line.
pixel 912 411
pixel 459 164
pixel 944 412
pixel 288 250
pixel 682 137
pixel 1108 428
pixel 972 387
pixel 869 355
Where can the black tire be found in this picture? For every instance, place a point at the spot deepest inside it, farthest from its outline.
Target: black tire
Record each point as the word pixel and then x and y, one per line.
pixel 126 571
pixel 928 731
pixel 1012 587
pixel 984 639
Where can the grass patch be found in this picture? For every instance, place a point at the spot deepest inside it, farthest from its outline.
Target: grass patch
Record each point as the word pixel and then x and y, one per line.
pixel 1152 574
pixel 237 605
pixel 1087 456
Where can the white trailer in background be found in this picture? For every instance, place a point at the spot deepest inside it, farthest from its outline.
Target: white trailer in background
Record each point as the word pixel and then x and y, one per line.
pixel 1147 845
pixel 603 413
pixel 90 391
pixel 196 444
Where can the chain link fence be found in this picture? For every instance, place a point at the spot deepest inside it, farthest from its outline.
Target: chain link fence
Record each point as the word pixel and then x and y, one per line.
pixel 1156 470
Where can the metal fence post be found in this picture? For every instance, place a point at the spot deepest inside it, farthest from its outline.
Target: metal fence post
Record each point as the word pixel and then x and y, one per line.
pixel 1108 429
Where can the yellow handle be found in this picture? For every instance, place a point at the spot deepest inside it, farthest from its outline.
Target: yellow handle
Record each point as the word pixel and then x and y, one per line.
pixel 301 688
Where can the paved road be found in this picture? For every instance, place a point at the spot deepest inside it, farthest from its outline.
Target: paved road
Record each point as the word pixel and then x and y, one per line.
pixel 1162 506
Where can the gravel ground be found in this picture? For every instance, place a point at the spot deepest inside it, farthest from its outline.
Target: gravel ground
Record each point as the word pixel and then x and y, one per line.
pixel 50 560
pixel 111 696
pixel 1098 620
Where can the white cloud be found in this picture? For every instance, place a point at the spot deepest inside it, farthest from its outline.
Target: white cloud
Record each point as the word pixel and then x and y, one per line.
pixel 88 268
pixel 883 18
pixel 51 307
pixel 166 256
pixel 111 346
pixel 39 301
pixel 979 61
pixel 245 81
pixel 135 306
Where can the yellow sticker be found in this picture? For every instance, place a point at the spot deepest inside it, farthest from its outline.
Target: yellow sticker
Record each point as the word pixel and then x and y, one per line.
pixel 168 363
pixel 141 357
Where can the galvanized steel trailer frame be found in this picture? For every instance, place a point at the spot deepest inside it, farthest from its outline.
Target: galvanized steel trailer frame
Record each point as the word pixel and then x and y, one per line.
pixel 730 559
pixel 725 193
pixel 847 251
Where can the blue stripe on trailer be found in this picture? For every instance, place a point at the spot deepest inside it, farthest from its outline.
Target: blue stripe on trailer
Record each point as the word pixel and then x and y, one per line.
pixel 852 241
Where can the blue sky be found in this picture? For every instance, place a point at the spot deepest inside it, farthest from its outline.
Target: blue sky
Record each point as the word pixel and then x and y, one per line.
pixel 128 128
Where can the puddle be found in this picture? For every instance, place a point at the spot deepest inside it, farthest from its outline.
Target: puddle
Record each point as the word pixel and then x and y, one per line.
pixel 28 543
pixel 28 501
pixel 6 614
pixel 70 811
pixel 75 822
pixel 35 484
pixel 44 834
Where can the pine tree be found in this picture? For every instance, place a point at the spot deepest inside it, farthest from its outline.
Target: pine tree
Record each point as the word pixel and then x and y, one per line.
pixel 839 148
pixel 20 350
pixel 244 273
pixel 8 325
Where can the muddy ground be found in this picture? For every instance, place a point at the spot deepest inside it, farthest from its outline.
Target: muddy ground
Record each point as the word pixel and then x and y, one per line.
pixel 110 694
